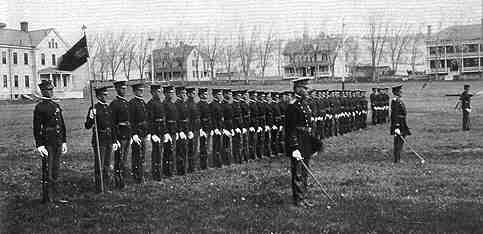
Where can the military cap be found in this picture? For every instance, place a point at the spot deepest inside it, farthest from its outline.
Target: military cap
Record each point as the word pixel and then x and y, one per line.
pixel 396 88
pixel 46 85
pixel 202 90
pixel 226 90
pixel 303 81
pixel 168 88
pixel 216 91
pixel 155 86
pixel 286 92
pixel 120 83
pixel 252 91
pixel 137 85
pixel 260 92
pixel 191 89
pixel 101 90
pixel 180 88
pixel 237 92
pixel 466 86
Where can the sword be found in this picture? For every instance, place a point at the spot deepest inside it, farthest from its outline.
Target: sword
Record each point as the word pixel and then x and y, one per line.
pixel 414 151
pixel 316 181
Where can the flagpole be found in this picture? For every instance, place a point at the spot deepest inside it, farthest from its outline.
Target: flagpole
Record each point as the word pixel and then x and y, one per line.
pixel 96 133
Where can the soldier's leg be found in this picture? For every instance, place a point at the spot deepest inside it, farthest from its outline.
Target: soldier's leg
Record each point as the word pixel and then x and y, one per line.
pixel 180 156
pixel 274 142
pixel 167 159
pixel 117 167
pixel 217 148
pixel 297 180
pixel 106 164
pixel 226 150
pixel 136 152
pixel 191 154
pixel 398 143
pixel 465 121
pixel 203 153
pixel 124 169
pixel 50 172
pixel 266 146
pixel 45 180
pixel 156 160
pixel 97 172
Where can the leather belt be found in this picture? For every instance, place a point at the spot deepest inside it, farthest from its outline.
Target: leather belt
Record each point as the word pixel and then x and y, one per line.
pixel 126 123
pixel 171 121
pixel 305 129
pixel 159 120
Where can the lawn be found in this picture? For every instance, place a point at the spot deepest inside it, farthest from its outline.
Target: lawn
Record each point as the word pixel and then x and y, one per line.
pixel 373 195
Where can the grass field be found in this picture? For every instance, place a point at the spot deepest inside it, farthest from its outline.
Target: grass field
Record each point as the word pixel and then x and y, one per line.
pixel 373 195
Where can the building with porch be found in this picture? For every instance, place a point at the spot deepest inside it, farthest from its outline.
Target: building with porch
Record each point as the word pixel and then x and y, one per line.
pixel 455 52
pixel 26 57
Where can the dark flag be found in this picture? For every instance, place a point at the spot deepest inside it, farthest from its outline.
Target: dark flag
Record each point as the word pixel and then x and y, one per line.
pixel 75 57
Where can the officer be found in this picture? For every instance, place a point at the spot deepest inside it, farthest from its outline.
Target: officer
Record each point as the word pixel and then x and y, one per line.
pixel 171 111
pixel 216 110
pixel 103 116
pixel 206 127
pixel 385 102
pixel 139 125
pixel 181 137
pixel 237 126
pixel 399 128
pixel 122 132
pixel 465 100
pixel 253 125
pixel 246 120
pixel 157 123
pixel 301 144
pixel 50 139
pixel 193 127
pixel 228 130
pixel 284 102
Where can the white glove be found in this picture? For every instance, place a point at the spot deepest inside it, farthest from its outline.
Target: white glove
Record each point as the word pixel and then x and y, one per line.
pixel 176 137
pixel 397 131
pixel 259 129
pixel 312 119
pixel 43 151
pixel 217 131
pixel 191 135
pixel 274 127
pixel 182 135
pixel 468 110
pixel 136 139
pixel 167 138
pixel 155 138
pixel 237 130
pixel 64 148
pixel 232 132
pixel 244 130
pixel 115 147
pixel 226 132
pixel 267 128
pixel 212 133
pixel 92 113
pixel 296 154
pixel 252 129
pixel 203 133
pixel 280 128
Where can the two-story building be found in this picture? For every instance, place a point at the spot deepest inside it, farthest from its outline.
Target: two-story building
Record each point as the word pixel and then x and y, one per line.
pixel 182 62
pixel 26 57
pixel 455 52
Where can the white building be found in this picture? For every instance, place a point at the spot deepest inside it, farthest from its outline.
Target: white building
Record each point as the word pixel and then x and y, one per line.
pixel 26 57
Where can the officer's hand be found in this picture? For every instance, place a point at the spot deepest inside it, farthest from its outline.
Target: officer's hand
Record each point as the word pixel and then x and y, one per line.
pixel 237 130
pixel 92 113
pixel 274 127
pixel 114 147
pixel 232 132
pixel 297 155
pixel 217 131
pixel 167 138
pixel 252 129
pixel 64 148
pixel 226 132
pixel 136 139
pixel 468 110
pixel 43 151
pixel 244 130
pixel 397 131
pixel 259 129
pixel 155 138
pixel 267 128
pixel 191 135
pixel 203 133
pixel 182 135
pixel 212 133
pixel 280 128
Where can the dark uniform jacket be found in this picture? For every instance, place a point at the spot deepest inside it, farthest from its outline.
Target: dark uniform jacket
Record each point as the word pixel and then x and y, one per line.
pixel 465 99
pixel 216 110
pixel 237 114
pixel 138 117
pixel 205 115
pixel 104 123
pixel 156 117
pixel 245 113
pixel 183 115
pixel 171 117
pixel 398 117
pixel 120 118
pixel 227 115
pixel 49 127
pixel 194 115
pixel 277 114
pixel 253 105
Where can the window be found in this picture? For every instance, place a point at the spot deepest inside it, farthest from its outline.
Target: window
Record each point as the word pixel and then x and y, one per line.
pixel 194 74
pixel 15 81
pixel 27 82
pixel 5 81
pixel 42 59
pixel 64 79
pixel 56 46
pixel 50 46
pixel 193 63
pixel 53 60
pixel 25 58
pixel 4 57
pixel 15 58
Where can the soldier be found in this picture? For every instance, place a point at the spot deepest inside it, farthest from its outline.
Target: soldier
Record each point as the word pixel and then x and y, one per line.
pixel 465 100
pixel 193 127
pixel 50 139
pixel 385 102
pixel 157 129
pixel 206 127
pixel 237 126
pixel 216 110
pixel 301 144
pixel 171 111
pixel 181 137
pixel 372 98
pixel 246 120
pixel 139 125
pixel 228 130
pixel 253 125
pixel 103 117
pixel 284 102
pixel 399 128
pixel 276 124
pixel 122 132
pixel 265 116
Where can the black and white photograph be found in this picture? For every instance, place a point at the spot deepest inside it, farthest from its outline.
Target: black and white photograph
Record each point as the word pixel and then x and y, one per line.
pixel 259 116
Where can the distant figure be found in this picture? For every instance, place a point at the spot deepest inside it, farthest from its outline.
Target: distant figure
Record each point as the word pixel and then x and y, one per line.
pixel 465 99
pixel 399 128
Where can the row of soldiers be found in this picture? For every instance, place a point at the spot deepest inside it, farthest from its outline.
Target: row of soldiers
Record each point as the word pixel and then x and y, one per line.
pixel 183 127
pixel 379 105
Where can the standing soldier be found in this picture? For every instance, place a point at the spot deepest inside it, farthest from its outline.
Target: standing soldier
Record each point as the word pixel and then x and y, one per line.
pixel 465 100
pixel 193 127
pixel 205 116
pixel 372 98
pixel 301 144
pixel 122 132
pixel 228 131
pixel 157 123
pixel 237 126
pixel 399 128
pixel 253 125
pixel 50 139
pixel 245 113
pixel 277 123
pixel 139 126
pixel 171 111
pixel 103 116
pixel 385 100
pixel 181 137
pixel 216 110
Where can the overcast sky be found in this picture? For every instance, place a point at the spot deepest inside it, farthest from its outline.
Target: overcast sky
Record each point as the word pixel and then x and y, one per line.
pixel 288 18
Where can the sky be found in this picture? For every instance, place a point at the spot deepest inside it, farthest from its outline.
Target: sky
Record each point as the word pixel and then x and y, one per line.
pixel 225 17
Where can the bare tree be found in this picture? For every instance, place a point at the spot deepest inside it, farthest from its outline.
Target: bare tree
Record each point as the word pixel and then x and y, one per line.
pixel 377 37
pixel 414 51
pixel 142 54
pixel 96 55
pixel 129 51
pixel 397 43
pixel 352 54
pixel 227 57
pixel 210 47
pixel 246 50
pixel 265 51
pixel 115 51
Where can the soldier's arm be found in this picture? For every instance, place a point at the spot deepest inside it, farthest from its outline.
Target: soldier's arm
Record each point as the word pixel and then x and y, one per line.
pixel 133 118
pixel 37 122
pixel 89 122
pixel 114 121
pixel 63 128
pixel 292 141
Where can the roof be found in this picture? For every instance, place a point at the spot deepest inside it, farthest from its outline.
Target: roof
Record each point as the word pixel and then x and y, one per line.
pixel 181 51
pixel 52 70
pixel 20 38
pixel 301 46
pixel 461 32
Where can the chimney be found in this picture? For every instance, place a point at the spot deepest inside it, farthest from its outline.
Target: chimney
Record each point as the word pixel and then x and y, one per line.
pixel 24 26
pixel 429 31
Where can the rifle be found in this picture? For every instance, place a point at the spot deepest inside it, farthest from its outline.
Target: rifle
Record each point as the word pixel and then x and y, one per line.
pixel 98 151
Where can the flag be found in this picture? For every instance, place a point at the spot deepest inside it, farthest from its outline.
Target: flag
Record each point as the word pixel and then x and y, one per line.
pixel 75 57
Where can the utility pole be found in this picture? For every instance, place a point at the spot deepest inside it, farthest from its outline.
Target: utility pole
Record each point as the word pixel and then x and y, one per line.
pixel 343 55
pixel 481 44
pixel 150 39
